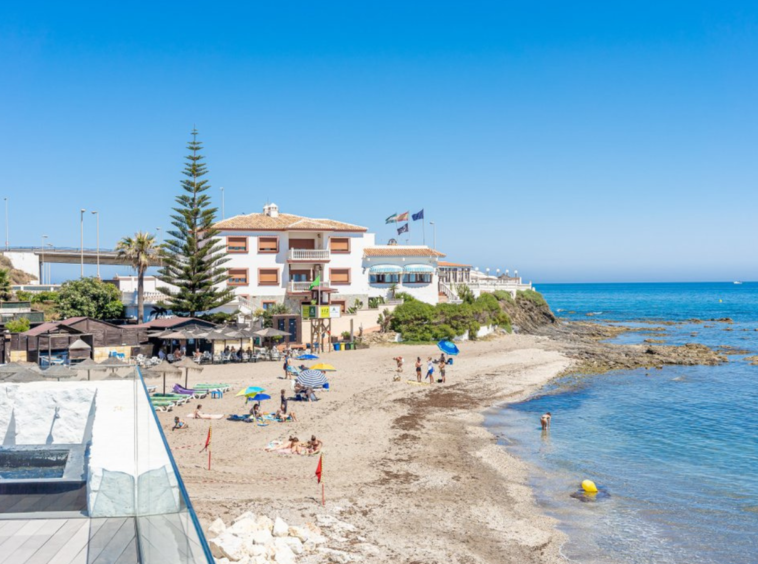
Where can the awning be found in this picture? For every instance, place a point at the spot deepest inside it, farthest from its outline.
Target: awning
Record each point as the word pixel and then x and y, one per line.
pixel 419 269
pixel 385 269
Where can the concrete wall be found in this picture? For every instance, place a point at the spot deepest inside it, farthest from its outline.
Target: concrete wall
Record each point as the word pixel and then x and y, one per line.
pixel 365 318
pixel 428 293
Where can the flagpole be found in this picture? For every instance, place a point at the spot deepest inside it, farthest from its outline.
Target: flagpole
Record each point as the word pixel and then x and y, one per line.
pixel 423 227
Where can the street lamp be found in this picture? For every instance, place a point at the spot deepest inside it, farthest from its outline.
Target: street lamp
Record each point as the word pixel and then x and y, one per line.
pixel 42 264
pixel 223 215
pixel 97 230
pixel 50 267
pixel 6 224
pixel 81 229
pixel 435 234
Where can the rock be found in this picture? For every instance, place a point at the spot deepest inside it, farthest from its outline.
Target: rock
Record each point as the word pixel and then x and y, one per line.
pixel 290 542
pixel 217 527
pixel 339 556
pixel 244 527
pixel 284 555
pixel 265 523
pixel 261 537
pixel 257 550
pixel 280 528
pixel 245 515
pixel 229 546
pixel 299 533
pixel 315 539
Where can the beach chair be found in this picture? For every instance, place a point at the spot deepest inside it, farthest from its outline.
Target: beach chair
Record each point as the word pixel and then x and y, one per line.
pixel 209 387
pixel 176 398
pixel 197 394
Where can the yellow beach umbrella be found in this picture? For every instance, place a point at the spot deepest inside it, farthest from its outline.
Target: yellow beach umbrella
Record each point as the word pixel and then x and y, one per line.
pixel 323 367
pixel 250 391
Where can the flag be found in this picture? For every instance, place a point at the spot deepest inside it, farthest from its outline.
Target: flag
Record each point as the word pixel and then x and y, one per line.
pixel 419 215
pixel 316 283
pixel 402 217
pixel 320 467
pixel 208 439
pixel 391 219
pixel 403 229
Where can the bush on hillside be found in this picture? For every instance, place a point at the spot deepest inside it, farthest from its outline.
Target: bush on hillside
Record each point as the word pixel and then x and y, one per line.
pixel 90 297
pixel 18 325
pixel 531 296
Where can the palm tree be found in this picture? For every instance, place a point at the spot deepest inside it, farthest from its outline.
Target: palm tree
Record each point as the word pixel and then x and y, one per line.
pixel 139 250
pixel 6 293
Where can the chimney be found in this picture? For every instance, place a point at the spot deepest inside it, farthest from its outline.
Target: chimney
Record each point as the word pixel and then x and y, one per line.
pixel 271 210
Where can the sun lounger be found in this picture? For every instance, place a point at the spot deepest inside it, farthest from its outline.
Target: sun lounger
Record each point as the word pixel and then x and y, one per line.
pixel 208 387
pixel 197 394
pixel 176 398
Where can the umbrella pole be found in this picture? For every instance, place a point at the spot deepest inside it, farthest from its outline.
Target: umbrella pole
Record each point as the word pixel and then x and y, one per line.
pixel 164 383
pixel 186 378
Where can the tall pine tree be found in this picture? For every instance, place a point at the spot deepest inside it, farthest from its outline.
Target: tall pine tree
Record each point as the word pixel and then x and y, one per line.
pixel 193 260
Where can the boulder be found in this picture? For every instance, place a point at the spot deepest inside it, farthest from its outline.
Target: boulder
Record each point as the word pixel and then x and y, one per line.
pixel 280 528
pixel 299 533
pixel 261 537
pixel 284 555
pixel 292 543
pixel 257 550
pixel 339 556
pixel 244 527
pixel 217 527
pixel 265 523
pixel 245 515
pixel 229 546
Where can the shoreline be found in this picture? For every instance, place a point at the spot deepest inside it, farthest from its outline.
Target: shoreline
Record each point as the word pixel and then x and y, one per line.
pixel 413 470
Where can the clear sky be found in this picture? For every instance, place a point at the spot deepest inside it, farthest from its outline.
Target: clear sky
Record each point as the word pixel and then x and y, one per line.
pixel 573 141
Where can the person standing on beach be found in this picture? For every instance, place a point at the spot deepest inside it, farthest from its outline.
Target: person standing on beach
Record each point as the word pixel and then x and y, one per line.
pixel 399 360
pixel 430 370
pixel 418 368
pixel 545 421
pixel 286 366
pixel 442 368
pixel 283 406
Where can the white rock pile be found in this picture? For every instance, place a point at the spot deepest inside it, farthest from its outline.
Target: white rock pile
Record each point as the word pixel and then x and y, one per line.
pixel 256 539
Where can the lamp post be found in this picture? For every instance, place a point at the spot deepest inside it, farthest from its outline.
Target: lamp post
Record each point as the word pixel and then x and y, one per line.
pixel 223 214
pixel 97 237
pixel 42 264
pixel 6 224
pixel 81 231
pixel 434 227
pixel 50 268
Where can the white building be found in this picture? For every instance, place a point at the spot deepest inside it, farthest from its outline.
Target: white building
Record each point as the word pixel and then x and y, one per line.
pixel 274 257
pixel 392 269
pixel 152 296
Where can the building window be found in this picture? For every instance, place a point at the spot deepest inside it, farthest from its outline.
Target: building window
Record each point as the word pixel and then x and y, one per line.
pixel 238 277
pixel 268 277
pixel 384 279
pixel 339 244
pixel 267 305
pixel 236 244
pixel 268 244
pixel 417 279
pixel 339 276
pixel 300 275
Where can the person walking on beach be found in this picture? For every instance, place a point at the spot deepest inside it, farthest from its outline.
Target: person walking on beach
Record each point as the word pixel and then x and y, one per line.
pixel 399 360
pixel 286 367
pixel 430 370
pixel 418 368
pixel 545 421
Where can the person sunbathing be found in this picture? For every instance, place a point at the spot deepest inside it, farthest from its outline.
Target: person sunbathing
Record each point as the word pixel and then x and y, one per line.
pixel 179 424
pixel 292 445
pixel 284 417
pixel 198 414
pixel 314 445
pixel 255 411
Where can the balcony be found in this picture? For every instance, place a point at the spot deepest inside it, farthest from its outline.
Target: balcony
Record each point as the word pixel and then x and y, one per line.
pixel 308 255
pixel 300 287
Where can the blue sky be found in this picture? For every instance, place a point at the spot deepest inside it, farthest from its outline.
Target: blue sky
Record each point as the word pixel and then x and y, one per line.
pixel 583 141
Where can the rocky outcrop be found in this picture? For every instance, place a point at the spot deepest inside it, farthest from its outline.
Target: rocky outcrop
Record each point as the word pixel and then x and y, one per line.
pixel 17 276
pixel 528 316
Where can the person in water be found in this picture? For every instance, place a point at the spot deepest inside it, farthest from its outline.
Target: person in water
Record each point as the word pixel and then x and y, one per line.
pixel 545 421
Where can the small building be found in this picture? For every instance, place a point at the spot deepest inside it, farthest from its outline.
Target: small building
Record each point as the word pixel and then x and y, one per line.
pixel 10 311
pixel 412 269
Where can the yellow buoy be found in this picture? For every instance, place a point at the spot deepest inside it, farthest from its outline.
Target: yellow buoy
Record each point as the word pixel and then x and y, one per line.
pixel 589 486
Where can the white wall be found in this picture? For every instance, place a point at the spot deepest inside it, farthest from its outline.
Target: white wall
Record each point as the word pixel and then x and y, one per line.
pixel 26 261
pixel 428 293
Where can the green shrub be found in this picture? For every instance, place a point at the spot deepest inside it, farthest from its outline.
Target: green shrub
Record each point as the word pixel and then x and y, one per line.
pixel 90 297
pixel 44 297
pixel 23 296
pixel 503 296
pixel 18 325
pixel 532 296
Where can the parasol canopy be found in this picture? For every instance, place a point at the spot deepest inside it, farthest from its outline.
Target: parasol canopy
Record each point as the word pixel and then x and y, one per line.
pixel 312 378
pixel 187 364
pixel 250 391
pixel 271 332
pixel 261 397
pixel 164 368
pixel 323 367
pixel 308 356
pixel 58 371
pixel 448 347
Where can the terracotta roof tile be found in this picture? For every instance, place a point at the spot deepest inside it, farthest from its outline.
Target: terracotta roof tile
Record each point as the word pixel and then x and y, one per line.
pixel 284 221
pixel 401 251
pixel 443 264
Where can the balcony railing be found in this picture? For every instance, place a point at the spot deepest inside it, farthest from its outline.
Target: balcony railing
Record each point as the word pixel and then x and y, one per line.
pixel 304 286
pixel 307 255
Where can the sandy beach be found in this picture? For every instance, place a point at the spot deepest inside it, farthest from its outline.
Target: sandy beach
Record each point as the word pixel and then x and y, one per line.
pixel 410 467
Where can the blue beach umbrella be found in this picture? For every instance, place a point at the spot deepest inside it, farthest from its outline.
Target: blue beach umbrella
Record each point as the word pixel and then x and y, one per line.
pixel 307 357
pixel 261 397
pixel 311 378
pixel 448 347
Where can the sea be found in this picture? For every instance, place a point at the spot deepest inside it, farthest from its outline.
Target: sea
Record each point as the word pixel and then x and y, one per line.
pixel 674 451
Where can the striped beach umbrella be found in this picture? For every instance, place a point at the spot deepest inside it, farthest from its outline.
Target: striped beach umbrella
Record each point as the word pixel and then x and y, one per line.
pixel 311 378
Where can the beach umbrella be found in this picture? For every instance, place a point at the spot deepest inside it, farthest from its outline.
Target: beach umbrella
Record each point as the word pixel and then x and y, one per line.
pixel 250 391
pixel 323 367
pixel 89 365
pixel 188 364
pixel 271 332
pixel 261 397
pixel 164 368
pixel 448 347
pixel 11 368
pixel 58 371
pixel 311 378
pixel 307 357
pixel 23 376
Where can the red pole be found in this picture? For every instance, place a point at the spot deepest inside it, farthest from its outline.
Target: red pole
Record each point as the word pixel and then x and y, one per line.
pixel 209 459
pixel 323 495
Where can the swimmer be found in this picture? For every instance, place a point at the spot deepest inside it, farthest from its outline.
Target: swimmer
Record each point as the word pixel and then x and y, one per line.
pixel 545 421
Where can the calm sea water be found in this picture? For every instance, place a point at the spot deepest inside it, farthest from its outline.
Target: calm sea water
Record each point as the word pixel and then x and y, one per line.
pixel 676 448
